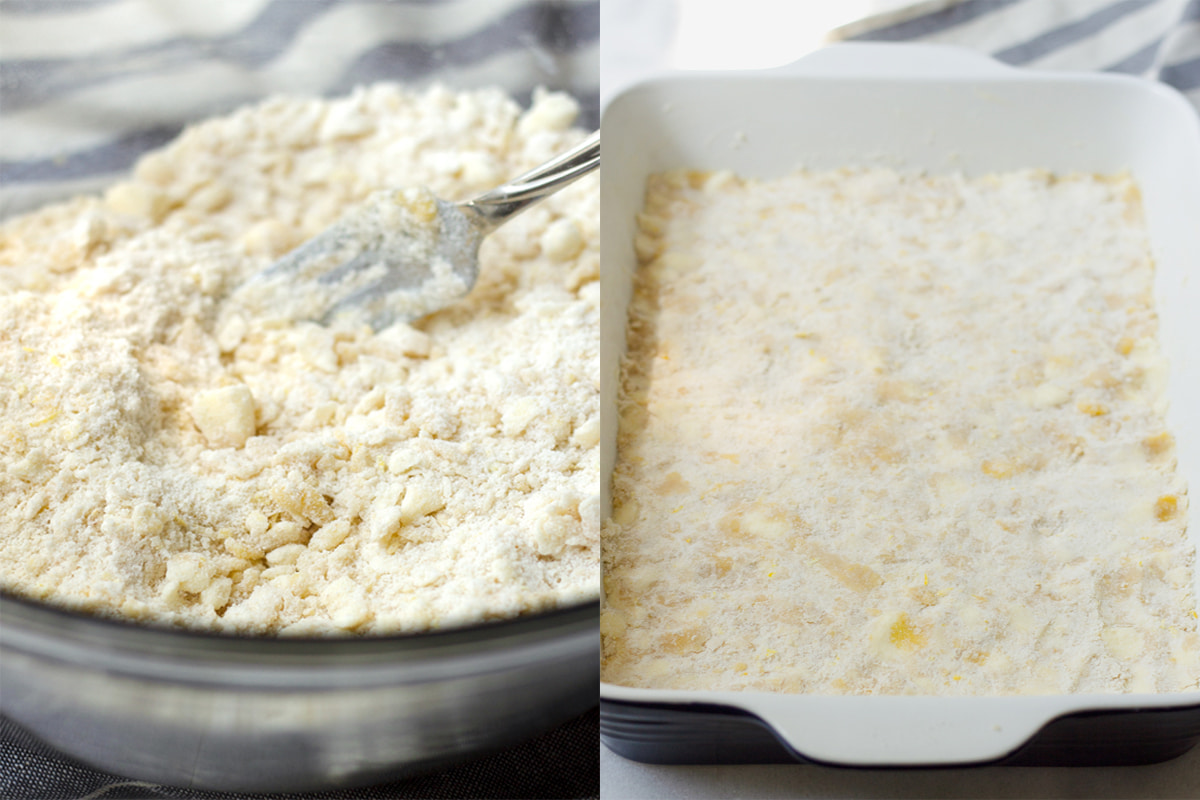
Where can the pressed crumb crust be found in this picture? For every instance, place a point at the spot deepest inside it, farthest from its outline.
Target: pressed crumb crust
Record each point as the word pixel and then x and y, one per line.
pixel 884 433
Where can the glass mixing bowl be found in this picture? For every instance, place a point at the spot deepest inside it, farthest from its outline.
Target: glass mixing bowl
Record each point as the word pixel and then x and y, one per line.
pixel 259 714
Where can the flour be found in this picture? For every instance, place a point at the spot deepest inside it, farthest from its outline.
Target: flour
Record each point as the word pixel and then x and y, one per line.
pixel 894 434
pixel 168 456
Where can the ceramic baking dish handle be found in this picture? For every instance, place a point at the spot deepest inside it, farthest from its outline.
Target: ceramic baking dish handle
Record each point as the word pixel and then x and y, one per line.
pixel 906 731
pixel 865 59
pixel 886 731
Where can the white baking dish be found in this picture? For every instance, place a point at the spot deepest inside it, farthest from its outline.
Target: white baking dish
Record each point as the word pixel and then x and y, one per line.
pixel 939 109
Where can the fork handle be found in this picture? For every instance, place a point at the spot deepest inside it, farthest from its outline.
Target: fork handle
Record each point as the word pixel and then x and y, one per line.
pixel 494 207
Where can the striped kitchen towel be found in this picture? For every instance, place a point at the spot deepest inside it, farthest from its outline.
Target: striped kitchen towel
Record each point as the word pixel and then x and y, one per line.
pixel 1157 39
pixel 88 85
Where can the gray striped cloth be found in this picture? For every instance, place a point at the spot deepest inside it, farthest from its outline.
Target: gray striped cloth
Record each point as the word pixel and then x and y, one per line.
pixel 1155 39
pixel 86 86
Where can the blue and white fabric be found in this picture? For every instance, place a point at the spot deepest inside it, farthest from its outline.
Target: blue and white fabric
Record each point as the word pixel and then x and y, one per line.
pixel 1154 39
pixel 88 85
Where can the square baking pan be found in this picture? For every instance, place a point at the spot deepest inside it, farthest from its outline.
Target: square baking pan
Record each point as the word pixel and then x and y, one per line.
pixel 938 109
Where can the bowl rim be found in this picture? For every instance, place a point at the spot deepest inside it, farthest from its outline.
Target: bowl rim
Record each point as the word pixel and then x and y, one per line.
pixel 39 629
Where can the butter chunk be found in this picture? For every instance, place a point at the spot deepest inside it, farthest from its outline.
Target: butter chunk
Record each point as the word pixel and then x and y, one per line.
pixel 1123 642
pixel 346 603
pixel 563 240
pixel 551 111
pixel 216 595
pixel 225 416
pixel 138 200
pixel 285 554
pixel 189 571
pixel 330 536
pixel 420 500
pixel 519 414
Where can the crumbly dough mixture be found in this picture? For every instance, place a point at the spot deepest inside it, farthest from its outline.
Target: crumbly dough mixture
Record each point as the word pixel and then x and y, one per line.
pixel 165 457
pixel 896 434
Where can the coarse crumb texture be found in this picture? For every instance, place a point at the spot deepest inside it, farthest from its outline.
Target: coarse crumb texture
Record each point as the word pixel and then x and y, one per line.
pixel 166 458
pixel 883 433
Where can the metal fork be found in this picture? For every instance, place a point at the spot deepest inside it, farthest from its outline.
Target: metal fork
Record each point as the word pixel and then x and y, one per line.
pixel 403 254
